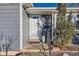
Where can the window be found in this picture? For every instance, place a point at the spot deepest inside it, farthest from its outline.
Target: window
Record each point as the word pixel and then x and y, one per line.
pixel 34 17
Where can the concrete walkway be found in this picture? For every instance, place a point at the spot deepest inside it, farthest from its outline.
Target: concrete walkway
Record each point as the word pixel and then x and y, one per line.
pixel 10 53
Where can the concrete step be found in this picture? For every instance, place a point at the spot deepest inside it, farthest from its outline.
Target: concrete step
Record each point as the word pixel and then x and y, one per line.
pixel 34 41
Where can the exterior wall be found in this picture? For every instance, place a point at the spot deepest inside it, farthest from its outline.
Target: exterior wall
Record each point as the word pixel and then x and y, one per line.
pixel 9 26
pixel 25 28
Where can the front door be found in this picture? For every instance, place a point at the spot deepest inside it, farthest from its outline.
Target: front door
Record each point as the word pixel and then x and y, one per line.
pixel 33 27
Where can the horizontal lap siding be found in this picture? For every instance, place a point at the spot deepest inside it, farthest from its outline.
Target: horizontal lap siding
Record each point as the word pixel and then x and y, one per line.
pixel 10 23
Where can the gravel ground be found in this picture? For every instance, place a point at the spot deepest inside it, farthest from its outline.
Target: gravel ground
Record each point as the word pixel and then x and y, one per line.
pixel 52 54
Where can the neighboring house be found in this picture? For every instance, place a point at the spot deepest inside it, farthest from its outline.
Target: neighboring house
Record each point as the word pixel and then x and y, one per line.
pixel 10 26
pixel 33 20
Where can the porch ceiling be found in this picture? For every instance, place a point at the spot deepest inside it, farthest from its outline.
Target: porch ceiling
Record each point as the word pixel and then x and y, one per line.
pixel 47 10
pixel 40 10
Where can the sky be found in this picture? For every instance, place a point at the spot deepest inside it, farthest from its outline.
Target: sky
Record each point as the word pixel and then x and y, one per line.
pixel 45 4
pixel 52 5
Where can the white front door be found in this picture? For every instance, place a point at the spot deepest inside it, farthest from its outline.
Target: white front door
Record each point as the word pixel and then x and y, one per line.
pixel 33 28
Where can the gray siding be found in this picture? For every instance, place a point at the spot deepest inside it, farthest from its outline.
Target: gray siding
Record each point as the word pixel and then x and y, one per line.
pixel 25 28
pixel 10 25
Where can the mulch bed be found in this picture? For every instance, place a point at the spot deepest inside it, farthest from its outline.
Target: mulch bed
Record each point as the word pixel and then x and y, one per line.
pixel 70 50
